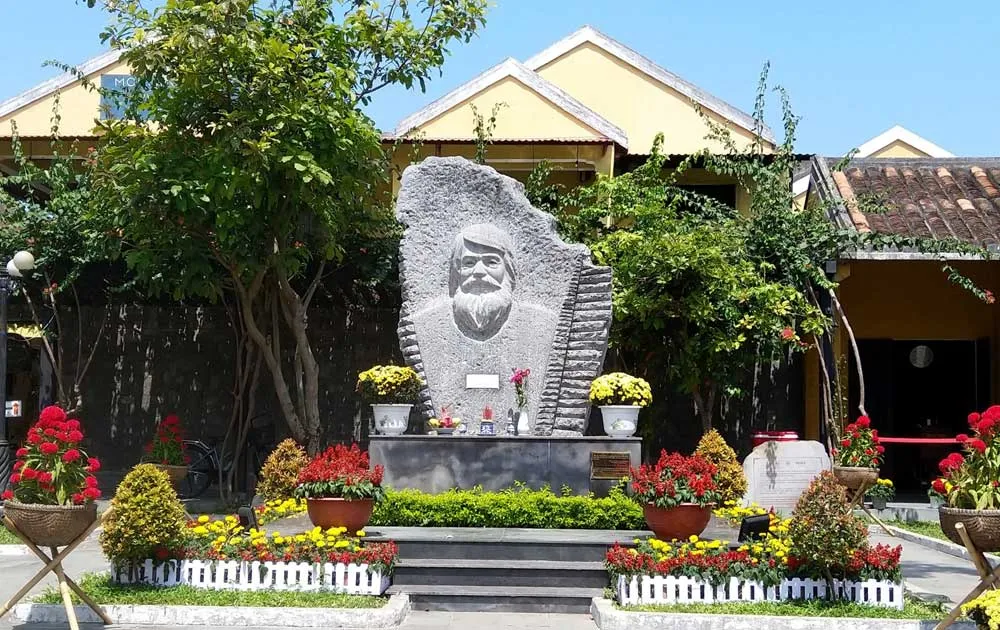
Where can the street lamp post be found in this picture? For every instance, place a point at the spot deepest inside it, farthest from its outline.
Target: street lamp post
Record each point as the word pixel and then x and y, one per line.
pixel 22 261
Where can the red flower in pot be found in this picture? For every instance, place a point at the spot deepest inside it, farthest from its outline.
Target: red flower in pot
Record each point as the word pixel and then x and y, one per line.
pixel 340 488
pixel 677 494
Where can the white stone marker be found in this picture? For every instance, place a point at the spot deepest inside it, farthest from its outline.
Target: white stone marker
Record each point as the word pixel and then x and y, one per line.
pixel 778 472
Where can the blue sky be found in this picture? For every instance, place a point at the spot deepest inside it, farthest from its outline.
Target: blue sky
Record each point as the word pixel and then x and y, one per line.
pixel 852 70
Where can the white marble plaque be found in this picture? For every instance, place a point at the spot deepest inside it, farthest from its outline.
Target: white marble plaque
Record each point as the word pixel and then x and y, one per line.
pixel 482 381
pixel 778 472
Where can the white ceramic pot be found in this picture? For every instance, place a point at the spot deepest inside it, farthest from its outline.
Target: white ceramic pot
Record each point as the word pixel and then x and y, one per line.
pixel 620 420
pixel 523 423
pixel 391 419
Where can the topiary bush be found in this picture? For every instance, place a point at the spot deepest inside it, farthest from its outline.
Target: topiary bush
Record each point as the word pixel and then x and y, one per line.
pixel 514 507
pixel 147 519
pixel 731 481
pixel 824 531
pixel 280 473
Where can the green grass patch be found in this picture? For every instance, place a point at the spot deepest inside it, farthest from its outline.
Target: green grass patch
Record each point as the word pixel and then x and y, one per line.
pixel 99 586
pixel 7 538
pixel 927 528
pixel 913 609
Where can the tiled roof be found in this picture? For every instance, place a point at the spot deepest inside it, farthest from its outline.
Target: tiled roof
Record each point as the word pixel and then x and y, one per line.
pixel 940 198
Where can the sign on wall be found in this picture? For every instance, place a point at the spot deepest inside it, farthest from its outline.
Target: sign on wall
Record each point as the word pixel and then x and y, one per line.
pixel 111 85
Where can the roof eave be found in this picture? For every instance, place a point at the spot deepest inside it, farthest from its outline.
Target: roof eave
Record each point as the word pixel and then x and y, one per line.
pixel 53 85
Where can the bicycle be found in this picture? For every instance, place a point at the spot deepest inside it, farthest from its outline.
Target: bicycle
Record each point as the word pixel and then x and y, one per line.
pixel 207 465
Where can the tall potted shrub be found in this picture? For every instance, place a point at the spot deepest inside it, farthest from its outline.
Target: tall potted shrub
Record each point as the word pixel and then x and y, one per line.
pixel 53 488
pixel 969 485
pixel 677 494
pixel 339 488
pixel 859 455
pixel 391 390
pixel 166 450
pixel 620 397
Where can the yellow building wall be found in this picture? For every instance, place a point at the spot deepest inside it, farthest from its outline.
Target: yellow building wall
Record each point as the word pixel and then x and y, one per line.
pixel 526 115
pixel 910 300
pixel 635 102
pixel 899 149
pixel 78 106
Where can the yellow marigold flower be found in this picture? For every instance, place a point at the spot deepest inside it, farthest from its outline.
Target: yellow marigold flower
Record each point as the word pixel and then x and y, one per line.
pixel 693 538
pixel 200 530
pixel 341 544
pixel 203 518
pixel 321 543
pixel 360 533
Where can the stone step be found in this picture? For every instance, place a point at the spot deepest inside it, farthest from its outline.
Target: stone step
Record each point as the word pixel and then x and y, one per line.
pixel 499 598
pixel 534 573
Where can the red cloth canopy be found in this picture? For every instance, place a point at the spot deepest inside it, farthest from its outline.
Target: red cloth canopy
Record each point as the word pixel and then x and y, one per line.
pixel 910 440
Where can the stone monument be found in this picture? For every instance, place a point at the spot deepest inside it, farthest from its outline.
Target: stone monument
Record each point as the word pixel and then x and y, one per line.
pixel 778 472
pixel 489 287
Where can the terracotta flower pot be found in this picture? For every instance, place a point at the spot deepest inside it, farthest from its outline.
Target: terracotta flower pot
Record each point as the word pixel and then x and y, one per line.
pixel 51 525
pixel 854 477
pixel 983 526
pixel 352 514
pixel 680 522
pixel 177 474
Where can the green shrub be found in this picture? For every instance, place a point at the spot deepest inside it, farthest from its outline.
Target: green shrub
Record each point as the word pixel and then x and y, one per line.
pixel 824 531
pixel 515 507
pixel 147 519
pixel 730 479
pixel 280 473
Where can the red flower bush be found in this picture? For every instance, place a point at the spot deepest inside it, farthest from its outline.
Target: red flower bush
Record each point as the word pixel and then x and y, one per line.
pixel 970 481
pixel 676 479
pixel 51 469
pixel 340 472
pixel 859 446
pixel 167 446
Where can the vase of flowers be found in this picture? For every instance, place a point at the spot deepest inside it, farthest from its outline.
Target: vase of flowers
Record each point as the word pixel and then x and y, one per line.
pixel 859 455
pixel 391 390
pixel 339 488
pixel 677 494
pixel 53 490
pixel 620 397
pixel 519 378
pixel 969 485
pixel 166 450
pixel 881 493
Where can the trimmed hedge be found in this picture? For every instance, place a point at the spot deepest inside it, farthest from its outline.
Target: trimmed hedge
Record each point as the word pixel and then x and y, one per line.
pixel 515 507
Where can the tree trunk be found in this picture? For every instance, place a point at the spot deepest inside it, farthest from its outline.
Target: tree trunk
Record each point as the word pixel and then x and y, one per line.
pixel 704 404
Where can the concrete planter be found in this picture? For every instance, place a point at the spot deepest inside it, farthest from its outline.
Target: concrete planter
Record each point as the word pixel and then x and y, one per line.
pixel 389 616
pixel 607 617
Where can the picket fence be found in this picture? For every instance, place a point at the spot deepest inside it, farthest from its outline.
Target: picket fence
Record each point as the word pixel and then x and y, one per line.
pixel 353 579
pixel 658 589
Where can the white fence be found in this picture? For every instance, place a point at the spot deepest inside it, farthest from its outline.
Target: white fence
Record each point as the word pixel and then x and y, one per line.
pixel 648 589
pixel 354 579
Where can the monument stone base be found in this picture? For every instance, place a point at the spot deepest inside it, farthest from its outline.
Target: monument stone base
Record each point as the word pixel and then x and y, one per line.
pixel 435 464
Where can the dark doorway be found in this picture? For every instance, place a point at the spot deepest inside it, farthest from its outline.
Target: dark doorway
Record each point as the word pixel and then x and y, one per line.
pixel 922 389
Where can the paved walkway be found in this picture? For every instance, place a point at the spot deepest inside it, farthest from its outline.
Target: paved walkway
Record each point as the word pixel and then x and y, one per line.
pixel 931 571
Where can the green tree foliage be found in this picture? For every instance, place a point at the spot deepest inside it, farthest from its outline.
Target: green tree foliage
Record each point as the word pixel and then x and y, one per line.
pixel 730 478
pixel 683 283
pixel 244 166
pixel 44 212
pixel 147 520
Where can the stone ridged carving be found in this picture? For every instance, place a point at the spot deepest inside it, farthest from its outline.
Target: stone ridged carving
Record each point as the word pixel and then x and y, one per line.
pixel 488 286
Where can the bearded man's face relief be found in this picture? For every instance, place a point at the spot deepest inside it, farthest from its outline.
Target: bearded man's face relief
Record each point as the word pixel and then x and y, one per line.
pixel 482 279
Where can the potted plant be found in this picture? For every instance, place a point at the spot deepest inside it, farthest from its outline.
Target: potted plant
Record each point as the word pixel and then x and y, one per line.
pixel 882 492
pixel 677 494
pixel 390 389
pixel 166 450
pixel 339 488
pixel 620 397
pixel 53 488
pixel 859 455
pixel 970 485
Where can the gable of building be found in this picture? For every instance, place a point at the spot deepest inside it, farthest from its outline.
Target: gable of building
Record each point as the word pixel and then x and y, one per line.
pixel 639 95
pixel 79 106
pixel 531 108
